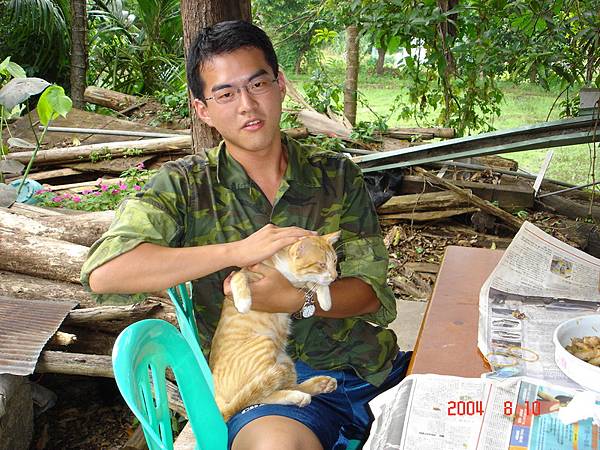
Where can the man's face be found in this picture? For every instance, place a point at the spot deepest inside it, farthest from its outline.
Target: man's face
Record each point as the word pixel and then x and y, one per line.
pixel 249 122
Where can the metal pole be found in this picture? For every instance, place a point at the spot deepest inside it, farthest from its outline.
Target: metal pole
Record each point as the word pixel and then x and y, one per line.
pixel 148 134
pixel 547 194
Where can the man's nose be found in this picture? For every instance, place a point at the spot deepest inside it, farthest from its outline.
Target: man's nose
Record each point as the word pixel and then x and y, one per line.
pixel 247 100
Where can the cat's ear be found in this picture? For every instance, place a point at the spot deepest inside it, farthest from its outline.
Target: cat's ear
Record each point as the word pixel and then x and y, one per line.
pixel 332 237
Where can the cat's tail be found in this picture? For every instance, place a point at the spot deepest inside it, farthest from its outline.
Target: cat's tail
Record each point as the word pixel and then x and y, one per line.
pixel 274 379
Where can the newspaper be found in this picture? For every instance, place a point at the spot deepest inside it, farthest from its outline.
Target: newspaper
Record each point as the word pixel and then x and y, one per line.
pixel 538 283
pixel 451 413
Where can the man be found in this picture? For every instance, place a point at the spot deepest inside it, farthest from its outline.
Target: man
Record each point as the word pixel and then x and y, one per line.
pixel 257 192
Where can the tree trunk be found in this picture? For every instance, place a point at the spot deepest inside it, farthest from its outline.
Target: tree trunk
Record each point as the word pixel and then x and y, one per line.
pixel 18 285
pixel 115 149
pixel 41 256
pixel 380 60
pixel 82 229
pixel 109 98
pixel 78 52
pixel 196 15
pixel 351 83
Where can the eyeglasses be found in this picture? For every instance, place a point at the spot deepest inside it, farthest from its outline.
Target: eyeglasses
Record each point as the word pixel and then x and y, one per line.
pixel 257 86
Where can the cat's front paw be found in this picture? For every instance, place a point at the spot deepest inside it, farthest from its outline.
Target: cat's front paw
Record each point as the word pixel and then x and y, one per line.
pixel 243 304
pixel 298 398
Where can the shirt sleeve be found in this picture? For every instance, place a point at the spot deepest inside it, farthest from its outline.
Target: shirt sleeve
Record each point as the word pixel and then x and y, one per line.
pixel 364 253
pixel 155 215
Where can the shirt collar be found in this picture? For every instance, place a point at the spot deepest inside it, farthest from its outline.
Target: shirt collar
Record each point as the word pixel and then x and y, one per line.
pixel 231 174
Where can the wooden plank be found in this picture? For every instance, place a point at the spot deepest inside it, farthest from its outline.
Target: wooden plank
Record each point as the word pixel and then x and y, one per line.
pixel 484 205
pixel 513 196
pixel 447 341
pixel 113 166
pixel 423 216
pixel 78 118
pixel 422 202
pixel 186 439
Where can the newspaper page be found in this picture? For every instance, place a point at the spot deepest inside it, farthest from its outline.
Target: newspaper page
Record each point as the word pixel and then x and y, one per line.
pixel 437 411
pixel 538 283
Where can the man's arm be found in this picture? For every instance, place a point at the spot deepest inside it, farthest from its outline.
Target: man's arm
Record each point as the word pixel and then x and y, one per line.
pixel 349 296
pixel 150 267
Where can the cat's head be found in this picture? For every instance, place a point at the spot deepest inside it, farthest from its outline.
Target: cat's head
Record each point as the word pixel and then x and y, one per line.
pixel 313 259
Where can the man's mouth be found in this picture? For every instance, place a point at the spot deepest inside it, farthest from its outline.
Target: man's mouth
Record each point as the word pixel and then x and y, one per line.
pixel 253 124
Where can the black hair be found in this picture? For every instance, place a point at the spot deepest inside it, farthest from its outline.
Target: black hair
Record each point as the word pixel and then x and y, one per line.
pixel 225 37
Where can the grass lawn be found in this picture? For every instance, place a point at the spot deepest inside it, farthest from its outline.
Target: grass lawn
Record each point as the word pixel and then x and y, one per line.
pixel 523 104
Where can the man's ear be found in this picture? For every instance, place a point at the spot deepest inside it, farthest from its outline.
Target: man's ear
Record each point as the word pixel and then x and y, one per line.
pixel 202 112
pixel 281 83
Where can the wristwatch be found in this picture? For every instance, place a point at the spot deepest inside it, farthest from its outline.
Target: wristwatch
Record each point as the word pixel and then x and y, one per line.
pixel 308 309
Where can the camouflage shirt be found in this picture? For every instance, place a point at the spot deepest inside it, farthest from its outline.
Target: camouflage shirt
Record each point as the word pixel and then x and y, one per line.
pixel 201 200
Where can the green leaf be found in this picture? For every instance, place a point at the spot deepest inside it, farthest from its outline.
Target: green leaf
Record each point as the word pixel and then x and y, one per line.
pixel 52 103
pixel 12 68
pixel 18 90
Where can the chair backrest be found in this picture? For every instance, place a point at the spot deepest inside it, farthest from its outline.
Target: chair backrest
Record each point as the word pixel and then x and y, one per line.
pixel 141 354
pixel 181 295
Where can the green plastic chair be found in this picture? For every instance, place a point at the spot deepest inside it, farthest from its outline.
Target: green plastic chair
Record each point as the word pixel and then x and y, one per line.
pixel 181 295
pixel 141 354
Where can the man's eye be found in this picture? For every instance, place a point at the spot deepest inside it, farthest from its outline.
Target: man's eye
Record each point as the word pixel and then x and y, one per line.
pixel 226 95
pixel 259 84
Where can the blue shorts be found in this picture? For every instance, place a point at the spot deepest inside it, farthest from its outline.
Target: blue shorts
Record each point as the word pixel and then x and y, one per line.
pixel 336 417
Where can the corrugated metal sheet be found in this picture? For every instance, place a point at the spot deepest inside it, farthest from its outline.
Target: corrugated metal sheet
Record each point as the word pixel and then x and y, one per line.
pixel 25 327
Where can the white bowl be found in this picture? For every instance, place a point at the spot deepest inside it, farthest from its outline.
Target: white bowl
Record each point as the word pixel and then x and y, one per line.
pixel 576 369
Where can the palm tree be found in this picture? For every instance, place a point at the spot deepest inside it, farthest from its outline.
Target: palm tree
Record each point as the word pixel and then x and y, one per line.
pixel 38 37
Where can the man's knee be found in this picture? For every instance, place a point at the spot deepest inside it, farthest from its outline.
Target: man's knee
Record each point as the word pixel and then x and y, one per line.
pixel 276 433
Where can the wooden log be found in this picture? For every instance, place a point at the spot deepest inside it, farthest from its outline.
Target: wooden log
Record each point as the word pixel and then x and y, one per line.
pixel 82 229
pixel 32 211
pixel 484 205
pixel 186 439
pixel 28 287
pixel 108 98
pixel 568 207
pixel 41 256
pixel 318 123
pixel 424 216
pixel 422 267
pixel 111 313
pixel 510 196
pixel 110 149
pixel 94 366
pixel 75 364
pixel 296 133
pixel 446 133
pixel 91 341
pixel 422 202
pixel 48 174
pixel 137 440
pixel 62 339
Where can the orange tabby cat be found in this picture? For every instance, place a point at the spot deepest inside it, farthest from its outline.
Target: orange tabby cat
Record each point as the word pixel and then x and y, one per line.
pixel 248 358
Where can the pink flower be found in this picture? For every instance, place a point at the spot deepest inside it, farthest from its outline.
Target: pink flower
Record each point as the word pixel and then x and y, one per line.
pixel 76 198
pixel 67 195
pixel 57 199
pixel 96 193
pixel 137 187
pixel 122 186
pixel 104 187
pixel 87 191
pixel 115 191
pixel 140 165
pixel 41 191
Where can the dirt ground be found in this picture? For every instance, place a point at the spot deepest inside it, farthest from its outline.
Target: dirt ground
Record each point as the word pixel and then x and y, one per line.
pixel 89 414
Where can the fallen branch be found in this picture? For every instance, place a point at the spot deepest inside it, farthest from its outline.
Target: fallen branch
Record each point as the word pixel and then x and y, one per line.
pixel 422 202
pixel 484 205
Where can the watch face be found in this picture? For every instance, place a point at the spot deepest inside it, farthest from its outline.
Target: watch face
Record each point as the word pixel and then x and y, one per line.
pixel 308 311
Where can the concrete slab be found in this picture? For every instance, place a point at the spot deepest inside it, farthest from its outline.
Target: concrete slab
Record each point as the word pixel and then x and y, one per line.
pixel 16 413
pixel 407 323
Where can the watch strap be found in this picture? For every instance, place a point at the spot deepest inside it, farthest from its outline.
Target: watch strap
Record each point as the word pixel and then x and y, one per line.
pixel 308 308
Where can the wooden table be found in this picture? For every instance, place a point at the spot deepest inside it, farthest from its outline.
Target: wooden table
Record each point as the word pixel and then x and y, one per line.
pixel 447 341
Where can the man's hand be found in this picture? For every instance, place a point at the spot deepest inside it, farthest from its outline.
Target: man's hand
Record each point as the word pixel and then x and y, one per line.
pixel 265 242
pixel 272 292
